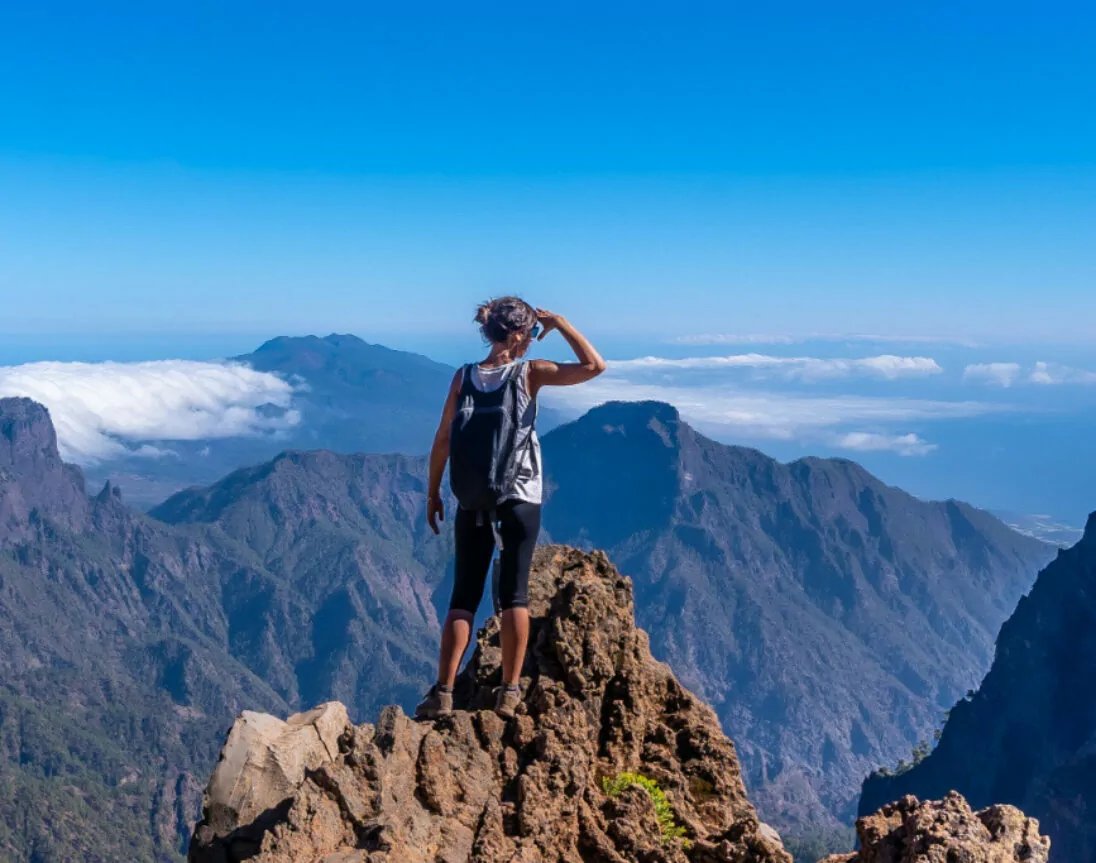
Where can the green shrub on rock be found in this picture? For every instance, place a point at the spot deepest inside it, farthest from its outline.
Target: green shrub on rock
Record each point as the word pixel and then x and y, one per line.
pixel 667 827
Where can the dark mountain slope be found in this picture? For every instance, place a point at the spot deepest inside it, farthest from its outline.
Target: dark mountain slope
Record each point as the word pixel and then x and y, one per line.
pixel 113 677
pixel 350 612
pixel 362 397
pixel 351 396
pixel 827 617
pixel 1028 735
pixel 33 479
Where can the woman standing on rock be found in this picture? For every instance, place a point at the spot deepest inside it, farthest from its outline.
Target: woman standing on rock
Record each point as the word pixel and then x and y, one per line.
pixel 488 438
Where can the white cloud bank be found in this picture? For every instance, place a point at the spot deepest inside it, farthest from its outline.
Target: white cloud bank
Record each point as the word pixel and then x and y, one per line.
pixel 1055 373
pixel 995 374
pixel 808 369
pixel 782 339
pixel 1043 373
pixel 727 411
pixel 103 410
pixel 906 444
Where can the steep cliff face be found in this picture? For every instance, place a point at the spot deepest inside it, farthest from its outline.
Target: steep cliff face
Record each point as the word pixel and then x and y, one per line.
pixel 34 482
pixel 828 618
pixel 114 680
pixel 472 787
pixel 1028 735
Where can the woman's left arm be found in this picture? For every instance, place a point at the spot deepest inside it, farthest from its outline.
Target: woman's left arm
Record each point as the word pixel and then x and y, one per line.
pixel 439 455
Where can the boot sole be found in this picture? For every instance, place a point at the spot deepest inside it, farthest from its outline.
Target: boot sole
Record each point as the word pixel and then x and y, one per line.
pixel 433 714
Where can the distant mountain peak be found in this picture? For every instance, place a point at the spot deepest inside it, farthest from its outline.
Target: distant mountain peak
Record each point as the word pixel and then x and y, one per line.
pixel 1090 529
pixel 304 353
pixel 632 413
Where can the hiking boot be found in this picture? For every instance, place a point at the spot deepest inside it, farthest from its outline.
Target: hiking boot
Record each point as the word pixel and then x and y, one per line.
pixel 438 703
pixel 508 700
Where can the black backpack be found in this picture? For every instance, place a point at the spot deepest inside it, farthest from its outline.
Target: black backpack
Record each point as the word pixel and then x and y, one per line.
pixel 483 443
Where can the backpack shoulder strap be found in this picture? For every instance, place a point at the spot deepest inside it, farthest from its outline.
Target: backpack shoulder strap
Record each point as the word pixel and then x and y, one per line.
pixel 466 384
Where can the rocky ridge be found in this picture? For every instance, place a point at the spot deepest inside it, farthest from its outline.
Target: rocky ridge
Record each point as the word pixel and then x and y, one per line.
pixel 472 788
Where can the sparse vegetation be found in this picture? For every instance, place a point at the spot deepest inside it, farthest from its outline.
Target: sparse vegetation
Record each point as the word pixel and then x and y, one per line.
pixel 670 830
pixel 920 752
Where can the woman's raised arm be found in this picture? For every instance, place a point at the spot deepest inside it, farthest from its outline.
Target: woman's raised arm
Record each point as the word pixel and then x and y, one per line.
pixel 545 373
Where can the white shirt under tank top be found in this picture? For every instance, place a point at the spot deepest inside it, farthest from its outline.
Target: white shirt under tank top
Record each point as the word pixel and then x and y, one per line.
pixel 529 486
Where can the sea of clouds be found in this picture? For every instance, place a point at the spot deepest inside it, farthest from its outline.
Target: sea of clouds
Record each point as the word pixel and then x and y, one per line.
pixel 873 403
pixel 110 409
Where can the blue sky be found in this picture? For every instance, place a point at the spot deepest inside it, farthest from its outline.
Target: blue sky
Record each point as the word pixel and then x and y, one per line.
pixel 261 168
pixel 183 181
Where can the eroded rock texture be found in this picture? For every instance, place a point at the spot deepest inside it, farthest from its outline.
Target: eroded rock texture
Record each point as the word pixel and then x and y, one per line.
pixel 475 788
pixel 947 831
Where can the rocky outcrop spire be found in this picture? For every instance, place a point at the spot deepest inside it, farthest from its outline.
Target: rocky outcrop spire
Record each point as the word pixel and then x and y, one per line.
pixel 34 482
pixel 472 787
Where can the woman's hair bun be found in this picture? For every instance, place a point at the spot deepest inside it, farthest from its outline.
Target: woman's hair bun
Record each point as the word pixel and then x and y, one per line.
pixel 503 316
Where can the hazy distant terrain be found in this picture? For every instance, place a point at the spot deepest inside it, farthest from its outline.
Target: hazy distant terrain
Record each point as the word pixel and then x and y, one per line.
pixel 1042 527
pixel 1003 426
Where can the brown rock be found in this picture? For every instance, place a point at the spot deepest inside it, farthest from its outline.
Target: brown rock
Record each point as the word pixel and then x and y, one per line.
pixel 947 831
pixel 472 787
pixel 262 766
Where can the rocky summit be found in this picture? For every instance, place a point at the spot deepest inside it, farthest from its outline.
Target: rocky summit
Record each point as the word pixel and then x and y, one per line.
pixel 472 787
pixel 610 760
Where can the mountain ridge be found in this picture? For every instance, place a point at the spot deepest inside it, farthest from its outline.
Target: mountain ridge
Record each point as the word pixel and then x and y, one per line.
pixel 351 396
pixel 309 578
pixel 747 549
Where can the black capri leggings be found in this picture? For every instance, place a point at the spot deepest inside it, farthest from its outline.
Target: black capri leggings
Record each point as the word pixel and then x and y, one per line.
pixel 519 525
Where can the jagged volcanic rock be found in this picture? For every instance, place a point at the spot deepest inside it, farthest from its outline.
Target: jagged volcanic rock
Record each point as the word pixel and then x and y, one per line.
pixel 473 787
pixel 947 831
